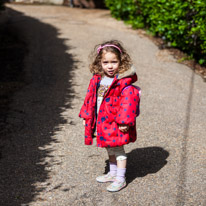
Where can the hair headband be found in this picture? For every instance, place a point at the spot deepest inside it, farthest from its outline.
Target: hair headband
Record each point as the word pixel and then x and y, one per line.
pixel 107 45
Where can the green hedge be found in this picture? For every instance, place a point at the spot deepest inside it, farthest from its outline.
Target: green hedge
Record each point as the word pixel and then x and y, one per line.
pixel 182 23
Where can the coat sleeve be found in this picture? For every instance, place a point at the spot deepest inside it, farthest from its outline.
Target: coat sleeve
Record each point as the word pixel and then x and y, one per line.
pixel 129 106
pixel 85 111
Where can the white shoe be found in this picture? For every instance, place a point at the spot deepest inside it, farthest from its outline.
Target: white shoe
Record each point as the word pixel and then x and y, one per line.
pixel 106 178
pixel 116 186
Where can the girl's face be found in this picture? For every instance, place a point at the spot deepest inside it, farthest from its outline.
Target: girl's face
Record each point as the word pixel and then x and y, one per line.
pixel 110 63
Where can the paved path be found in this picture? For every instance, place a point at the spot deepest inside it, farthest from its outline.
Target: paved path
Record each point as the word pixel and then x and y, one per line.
pixel 45 161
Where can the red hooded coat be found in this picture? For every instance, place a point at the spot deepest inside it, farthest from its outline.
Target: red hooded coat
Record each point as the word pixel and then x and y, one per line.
pixel 120 105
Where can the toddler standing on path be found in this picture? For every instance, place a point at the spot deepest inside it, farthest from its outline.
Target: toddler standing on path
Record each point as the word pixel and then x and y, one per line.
pixel 110 108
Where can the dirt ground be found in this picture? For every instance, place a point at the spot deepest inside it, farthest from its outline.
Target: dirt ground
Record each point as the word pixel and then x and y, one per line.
pixel 43 158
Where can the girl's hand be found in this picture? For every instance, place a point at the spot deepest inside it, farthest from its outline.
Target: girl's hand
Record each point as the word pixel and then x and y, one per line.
pixel 83 122
pixel 123 127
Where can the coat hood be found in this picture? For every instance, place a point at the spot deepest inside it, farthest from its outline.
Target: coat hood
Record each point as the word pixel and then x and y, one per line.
pixel 130 72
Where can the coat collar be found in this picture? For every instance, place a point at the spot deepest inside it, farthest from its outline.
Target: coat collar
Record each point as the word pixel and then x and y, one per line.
pixel 130 72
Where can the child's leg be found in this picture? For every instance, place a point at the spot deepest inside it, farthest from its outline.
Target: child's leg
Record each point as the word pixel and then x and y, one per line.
pixel 121 163
pixel 109 177
pixel 118 157
pixel 120 182
pixel 112 158
pixel 112 162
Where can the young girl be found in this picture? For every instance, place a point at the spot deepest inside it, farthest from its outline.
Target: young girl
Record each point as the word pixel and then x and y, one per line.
pixel 111 107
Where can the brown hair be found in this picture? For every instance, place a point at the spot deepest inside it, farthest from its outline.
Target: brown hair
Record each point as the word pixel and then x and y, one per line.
pixel 124 58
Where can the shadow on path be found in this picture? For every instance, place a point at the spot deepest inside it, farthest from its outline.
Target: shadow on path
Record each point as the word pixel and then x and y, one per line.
pixel 36 112
pixel 144 161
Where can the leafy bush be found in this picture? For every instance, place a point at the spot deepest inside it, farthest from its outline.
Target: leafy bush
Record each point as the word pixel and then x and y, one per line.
pixel 181 23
